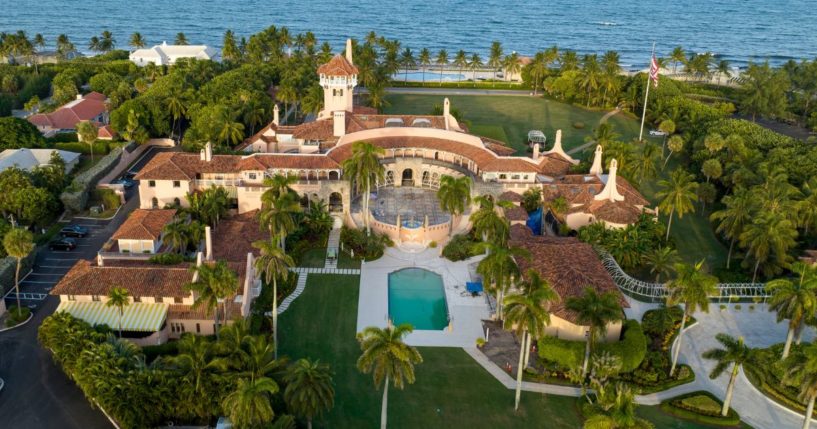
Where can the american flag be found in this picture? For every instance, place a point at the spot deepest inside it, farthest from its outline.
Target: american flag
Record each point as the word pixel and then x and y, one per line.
pixel 654 71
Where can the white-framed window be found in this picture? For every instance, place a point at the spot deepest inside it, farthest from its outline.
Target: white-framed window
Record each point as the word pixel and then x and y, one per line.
pixel 251 176
pixel 72 298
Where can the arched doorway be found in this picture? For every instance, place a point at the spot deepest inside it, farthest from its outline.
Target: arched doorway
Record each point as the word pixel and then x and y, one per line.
pixel 335 202
pixel 154 203
pixel 177 202
pixel 408 177
pixel 334 175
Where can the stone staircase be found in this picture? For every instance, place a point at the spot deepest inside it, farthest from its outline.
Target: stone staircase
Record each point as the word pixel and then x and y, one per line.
pixel 333 243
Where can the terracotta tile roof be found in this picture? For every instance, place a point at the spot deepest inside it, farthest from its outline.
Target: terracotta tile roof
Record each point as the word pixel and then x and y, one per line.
pixel 144 224
pixel 516 213
pixel 140 280
pixel 364 110
pixel 287 160
pixel 316 130
pixel 233 237
pixel 338 66
pixel 511 164
pixel 187 312
pixel 185 166
pixel 498 148
pixel 621 212
pixel 67 116
pixel 106 132
pixel 554 165
pixel 580 192
pixel 510 196
pixel 567 264
pixel 630 193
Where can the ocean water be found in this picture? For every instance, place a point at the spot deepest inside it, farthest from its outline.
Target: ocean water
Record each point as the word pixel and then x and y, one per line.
pixel 737 30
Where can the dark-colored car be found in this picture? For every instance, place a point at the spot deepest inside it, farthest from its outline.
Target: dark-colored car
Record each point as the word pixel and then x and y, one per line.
pixel 65 243
pixel 74 231
pixel 125 182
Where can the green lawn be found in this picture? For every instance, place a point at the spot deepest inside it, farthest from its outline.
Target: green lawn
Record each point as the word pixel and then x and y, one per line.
pixel 509 118
pixel 346 261
pixel 314 258
pixel 665 421
pixel 451 391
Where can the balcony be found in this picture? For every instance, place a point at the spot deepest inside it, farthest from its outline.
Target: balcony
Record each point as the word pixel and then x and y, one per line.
pixel 206 183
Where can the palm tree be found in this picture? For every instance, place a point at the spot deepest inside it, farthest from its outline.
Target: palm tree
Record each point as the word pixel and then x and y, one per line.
pixel 677 195
pixel 723 70
pixel 736 214
pixel 677 56
pixel 461 60
pixel 278 216
pixel 136 41
pixel 804 369
pixel 196 363
pixel 106 41
pixel 662 261
pixel 488 223
pixel 643 166
pixel 495 57
pixel 692 287
pixel 796 301
pixel 273 263
pixel 309 389
pixel 407 60
pixel 231 132
pixel 512 65
pixel 768 239
pixel 454 195
pixel 538 69
pixel 64 46
pixel 18 244
pixel 595 311
pixel 118 297
pixel 177 107
pixel 88 133
pixel 442 61
pixel 675 144
pixel 527 312
pixel 214 283
pixel 181 39
pixel 175 235
pixel 363 168
pixel 425 60
pixel 474 63
pixel 249 404
pixel 735 353
pixel 621 413
pixel 388 358
pixel 499 268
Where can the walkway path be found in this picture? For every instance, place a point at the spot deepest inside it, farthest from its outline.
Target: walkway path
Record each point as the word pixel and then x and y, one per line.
pixel 603 120
pixel 333 243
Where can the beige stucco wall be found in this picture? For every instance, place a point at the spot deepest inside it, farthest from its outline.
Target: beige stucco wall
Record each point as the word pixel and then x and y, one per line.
pixel 561 328
pixel 411 132
pixel 164 192
pixel 188 300
pixel 138 246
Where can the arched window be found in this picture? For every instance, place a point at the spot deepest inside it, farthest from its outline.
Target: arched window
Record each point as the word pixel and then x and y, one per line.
pixel 177 202
pixel 154 203
pixel 408 177
pixel 436 155
pixel 334 175
pixel 335 202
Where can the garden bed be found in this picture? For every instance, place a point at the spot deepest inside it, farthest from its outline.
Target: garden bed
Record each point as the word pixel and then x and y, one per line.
pixel 12 318
pixel 766 375
pixel 700 407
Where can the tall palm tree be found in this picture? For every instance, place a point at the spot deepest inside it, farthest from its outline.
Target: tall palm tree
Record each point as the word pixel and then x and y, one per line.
pixel 691 287
pixel 538 69
pixel 278 216
pixel 18 244
pixel 735 353
pixel 118 297
pixel 274 264
pixel 495 57
pixel 675 143
pixel 662 261
pixel 425 60
pixel 249 405
pixel 723 70
pixel 196 363
pixel 181 39
pixel 767 240
pixel 136 41
pixel 454 195
pixel 621 413
pixel 794 300
pixel 678 195
pixel 488 223
pixel 362 169
pixel 474 63
pixel 733 218
pixel 214 283
pixel 309 389
pixel 527 313
pixel 106 42
pixel 461 60
pixel 643 166
pixel 804 369
pixel 230 132
pixel 388 358
pixel 407 60
pixel 677 56
pixel 512 65
pixel 175 235
pixel 595 311
pixel 442 61
pixel 287 94
pixel 499 268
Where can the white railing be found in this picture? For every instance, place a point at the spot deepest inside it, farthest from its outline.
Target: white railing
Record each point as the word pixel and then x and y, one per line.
pixel 659 291
pixel 218 182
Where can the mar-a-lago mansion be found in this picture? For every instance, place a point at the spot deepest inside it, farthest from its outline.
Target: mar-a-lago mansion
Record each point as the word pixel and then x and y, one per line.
pixel 418 151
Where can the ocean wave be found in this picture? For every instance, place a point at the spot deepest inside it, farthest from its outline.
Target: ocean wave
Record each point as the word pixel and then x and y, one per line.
pixel 606 23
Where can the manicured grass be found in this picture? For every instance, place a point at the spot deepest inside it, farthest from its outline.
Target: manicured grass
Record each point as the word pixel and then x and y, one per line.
pixel 516 116
pixel 346 261
pixel 313 258
pixel 663 420
pixel 451 390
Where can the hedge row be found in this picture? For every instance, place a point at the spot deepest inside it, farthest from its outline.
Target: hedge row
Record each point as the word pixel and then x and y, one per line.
pixel 101 147
pixel 675 407
pixel 75 196
pixel 7 267
pixel 570 354
pixel 756 377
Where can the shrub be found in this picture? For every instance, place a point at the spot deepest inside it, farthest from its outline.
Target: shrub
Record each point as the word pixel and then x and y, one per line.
pixel 18 133
pixel 62 138
pixel 567 354
pixel 101 147
pixel 631 349
pixel 578 125
pixel 75 197
pixel 366 246
pixel 16 317
pixel 659 321
pixel 532 199
pixel 701 407
pixel 107 197
pixel 170 348
pixel 168 259
pixel 480 342
pixel 460 247
pixel 432 244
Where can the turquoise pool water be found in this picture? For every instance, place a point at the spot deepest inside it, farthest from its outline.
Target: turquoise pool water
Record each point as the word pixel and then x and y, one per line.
pixel 416 296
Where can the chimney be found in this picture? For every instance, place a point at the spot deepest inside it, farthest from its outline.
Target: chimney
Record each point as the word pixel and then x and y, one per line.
pixel 208 152
pixel 276 116
pixel 557 146
pixel 610 192
pixel 100 260
pixel 446 107
pixel 340 123
pixel 596 169
pixel 349 51
pixel 208 243
pixel 535 156
pixel 79 96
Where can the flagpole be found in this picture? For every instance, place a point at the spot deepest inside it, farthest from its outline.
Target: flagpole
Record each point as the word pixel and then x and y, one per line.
pixel 646 95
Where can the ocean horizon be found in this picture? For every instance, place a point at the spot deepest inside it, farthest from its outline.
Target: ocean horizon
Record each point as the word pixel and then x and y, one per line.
pixel 739 32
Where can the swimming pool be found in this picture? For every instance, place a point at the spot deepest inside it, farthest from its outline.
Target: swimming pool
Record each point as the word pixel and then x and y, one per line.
pixel 417 296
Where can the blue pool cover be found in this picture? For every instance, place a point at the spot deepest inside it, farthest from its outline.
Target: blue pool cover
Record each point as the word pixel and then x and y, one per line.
pixel 473 286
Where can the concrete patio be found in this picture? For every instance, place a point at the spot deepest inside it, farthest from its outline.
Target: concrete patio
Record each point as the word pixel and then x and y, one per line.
pixel 466 312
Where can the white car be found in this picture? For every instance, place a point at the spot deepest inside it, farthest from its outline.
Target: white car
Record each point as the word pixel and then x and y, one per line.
pixel 657 133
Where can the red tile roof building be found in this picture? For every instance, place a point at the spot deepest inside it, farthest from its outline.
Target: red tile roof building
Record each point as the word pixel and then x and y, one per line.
pixel 92 107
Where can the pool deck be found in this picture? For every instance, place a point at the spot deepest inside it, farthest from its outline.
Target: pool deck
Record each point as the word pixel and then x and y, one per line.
pixel 466 312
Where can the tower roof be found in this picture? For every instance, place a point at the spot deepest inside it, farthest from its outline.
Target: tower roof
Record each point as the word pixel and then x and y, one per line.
pixel 338 66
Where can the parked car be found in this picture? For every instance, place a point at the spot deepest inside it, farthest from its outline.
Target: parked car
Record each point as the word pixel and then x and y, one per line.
pixel 657 133
pixel 65 244
pixel 125 182
pixel 74 231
